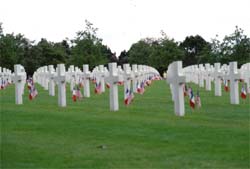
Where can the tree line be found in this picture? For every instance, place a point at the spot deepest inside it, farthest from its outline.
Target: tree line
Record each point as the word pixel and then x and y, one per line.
pixel 87 48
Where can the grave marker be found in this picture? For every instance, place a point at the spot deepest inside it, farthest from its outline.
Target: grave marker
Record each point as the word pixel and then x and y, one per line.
pixel 113 79
pixel 234 76
pixel 19 80
pixel 176 78
pixel 86 78
pixel 217 79
pixel 61 80
pixel 51 80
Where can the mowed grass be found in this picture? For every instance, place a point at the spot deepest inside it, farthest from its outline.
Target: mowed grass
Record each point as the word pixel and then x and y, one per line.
pixel 146 134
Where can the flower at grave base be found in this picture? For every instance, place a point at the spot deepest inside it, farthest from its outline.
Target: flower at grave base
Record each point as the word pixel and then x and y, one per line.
pixel 243 92
pixel 108 85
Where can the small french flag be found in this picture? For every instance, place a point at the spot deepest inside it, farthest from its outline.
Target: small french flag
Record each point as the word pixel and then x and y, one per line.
pixel 191 99
pixel 243 92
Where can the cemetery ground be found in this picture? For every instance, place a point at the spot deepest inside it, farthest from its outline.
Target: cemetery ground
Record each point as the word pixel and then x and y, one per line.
pixel 145 134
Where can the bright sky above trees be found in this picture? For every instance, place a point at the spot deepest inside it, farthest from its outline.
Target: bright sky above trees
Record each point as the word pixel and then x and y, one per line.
pixel 123 22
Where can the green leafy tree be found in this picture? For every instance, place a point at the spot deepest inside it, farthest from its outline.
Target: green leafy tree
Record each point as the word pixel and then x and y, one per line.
pixel 123 57
pixel 236 47
pixel 88 48
pixel 139 53
pixel 13 49
pixel 193 47
pixel 164 51
pixel 158 53
pixel 1 29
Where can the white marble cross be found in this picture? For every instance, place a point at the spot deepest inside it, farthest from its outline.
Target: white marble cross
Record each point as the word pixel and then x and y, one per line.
pixel 176 79
pixel 61 80
pixel 113 79
pixel 46 79
pixel 127 76
pixel 51 80
pixel 72 77
pixel 234 76
pixel 208 77
pixel 135 77
pixel 246 75
pixel 102 76
pixel 19 80
pixel 86 78
pixel 140 74
pixel 217 74
pixel 201 75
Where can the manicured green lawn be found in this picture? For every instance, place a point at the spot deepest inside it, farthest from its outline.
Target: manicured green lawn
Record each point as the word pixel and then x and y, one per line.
pixel 146 134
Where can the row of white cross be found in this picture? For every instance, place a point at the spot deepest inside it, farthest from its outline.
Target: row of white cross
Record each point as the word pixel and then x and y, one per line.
pixel 5 77
pixel 48 77
pixel 177 76
pixel 18 77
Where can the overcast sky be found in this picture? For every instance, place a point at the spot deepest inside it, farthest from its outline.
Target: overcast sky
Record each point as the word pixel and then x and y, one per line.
pixel 123 22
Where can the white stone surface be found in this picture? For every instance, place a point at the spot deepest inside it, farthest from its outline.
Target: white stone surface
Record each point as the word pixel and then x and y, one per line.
pixel 86 78
pixel 51 80
pixel 217 74
pixel 234 76
pixel 208 77
pixel 176 79
pixel 127 76
pixel 113 79
pixel 19 80
pixel 61 80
